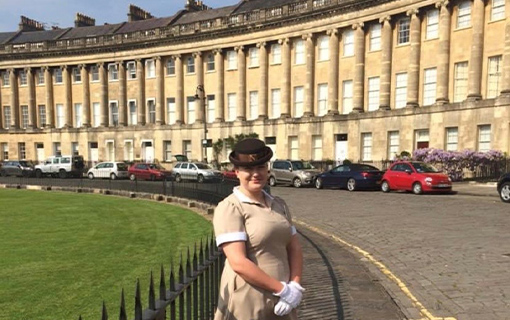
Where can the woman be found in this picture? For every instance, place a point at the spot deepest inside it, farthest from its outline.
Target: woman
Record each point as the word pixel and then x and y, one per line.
pixel 262 272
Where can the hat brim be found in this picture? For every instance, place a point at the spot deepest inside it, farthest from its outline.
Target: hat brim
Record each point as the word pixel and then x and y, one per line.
pixel 268 154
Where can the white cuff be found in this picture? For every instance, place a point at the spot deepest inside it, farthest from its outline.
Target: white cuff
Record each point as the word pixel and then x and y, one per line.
pixel 293 230
pixel 231 237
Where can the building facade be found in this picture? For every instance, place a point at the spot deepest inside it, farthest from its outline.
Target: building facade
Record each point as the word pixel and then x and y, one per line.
pixel 315 79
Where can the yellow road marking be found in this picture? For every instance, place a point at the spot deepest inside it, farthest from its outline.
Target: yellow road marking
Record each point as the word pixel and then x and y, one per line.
pixel 421 308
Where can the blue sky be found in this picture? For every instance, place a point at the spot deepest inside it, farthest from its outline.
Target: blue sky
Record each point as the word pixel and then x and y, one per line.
pixel 62 12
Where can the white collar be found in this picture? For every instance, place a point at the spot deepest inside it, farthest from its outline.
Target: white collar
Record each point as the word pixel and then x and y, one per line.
pixel 244 198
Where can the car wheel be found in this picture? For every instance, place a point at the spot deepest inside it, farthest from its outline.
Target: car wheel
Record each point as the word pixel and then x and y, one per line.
pixel 351 184
pixel 38 174
pixel 132 177
pixel 385 186
pixel 417 188
pixel 113 176
pixel 200 178
pixel 297 183
pixel 62 174
pixel 91 176
pixel 504 192
pixel 318 183
pixel 178 177
pixel 272 181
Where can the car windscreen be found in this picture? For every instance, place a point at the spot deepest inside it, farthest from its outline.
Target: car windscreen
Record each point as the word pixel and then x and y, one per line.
pixel 297 165
pixel 307 165
pixel 122 166
pixel 424 167
pixel 26 163
pixel 202 166
pixel 365 167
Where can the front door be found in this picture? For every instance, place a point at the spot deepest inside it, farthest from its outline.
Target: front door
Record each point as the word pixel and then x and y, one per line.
pixel 341 148
pixel 147 151
pixel 39 152
pixel 93 153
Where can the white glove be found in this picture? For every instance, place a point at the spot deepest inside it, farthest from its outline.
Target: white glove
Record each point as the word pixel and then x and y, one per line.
pixel 282 308
pixel 291 293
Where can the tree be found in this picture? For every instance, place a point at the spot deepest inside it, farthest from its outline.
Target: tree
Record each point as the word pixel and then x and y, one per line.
pixel 229 142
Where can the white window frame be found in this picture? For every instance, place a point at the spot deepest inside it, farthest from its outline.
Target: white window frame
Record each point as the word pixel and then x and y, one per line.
pixel 41 111
pixel 5 151
pixel 167 150
pixel 432 24
pixel 464 15
pixel 429 86
pixel 187 148
pixel 131 70
pixel 24 116
pixel 276 101
pixel 23 81
pixel 484 138
pixel 171 109
pixel 94 74
pixel 113 112
pixel 494 76
pixel 78 111
pixel 366 146
pixel 299 52
pixel 129 152
pixel 347 96
pixel 210 63
pixel 22 150
pixel 151 114
pixel 299 99
pixel 323 48
pixel 231 60
pixel 460 81
pixel 498 10
pixel 7 117
pixel 133 116
pixel 253 54
pixel 373 93
pixel 109 150
pixel 254 104
pixel 400 90
pixel 293 147
pixel 452 139
pixel 96 114
pixel 191 105
pixel 40 77
pixel 317 147
pixel 421 135
pixel 58 76
pixel 60 115
pixel 393 144
pixel 211 108
pixel 170 67
pixel 76 75
pixel 6 80
pixel 375 37
pixel 150 67
pixel 348 43
pixel 113 72
pixel 322 99
pixel 276 53
pixel 231 106
pixel 404 31
pixel 57 149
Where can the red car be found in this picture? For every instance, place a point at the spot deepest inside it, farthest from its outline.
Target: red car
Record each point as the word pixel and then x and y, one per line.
pixel 148 171
pixel 229 174
pixel 415 176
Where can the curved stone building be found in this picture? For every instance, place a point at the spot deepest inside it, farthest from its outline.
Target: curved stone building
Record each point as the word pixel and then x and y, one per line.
pixel 317 79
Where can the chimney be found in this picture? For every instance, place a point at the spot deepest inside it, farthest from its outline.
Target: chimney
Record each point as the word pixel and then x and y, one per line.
pixel 27 24
pixel 193 5
pixel 137 13
pixel 82 20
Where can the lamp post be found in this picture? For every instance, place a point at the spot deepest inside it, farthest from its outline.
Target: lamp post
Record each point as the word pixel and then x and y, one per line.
pixel 202 98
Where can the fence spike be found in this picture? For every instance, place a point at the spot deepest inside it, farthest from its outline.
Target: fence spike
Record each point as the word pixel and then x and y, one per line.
pixel 207 254
pixel 181 271
pixel 201 253
pixel 195 260
pixel 79 318
pixel 104 313
pixel 122 312
pixel 172 281
pixel 138 302
pixel 162 286
pixel 152 295
pixel 188 265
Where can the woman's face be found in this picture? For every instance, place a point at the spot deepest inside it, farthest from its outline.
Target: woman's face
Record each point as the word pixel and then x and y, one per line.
pixel 252 179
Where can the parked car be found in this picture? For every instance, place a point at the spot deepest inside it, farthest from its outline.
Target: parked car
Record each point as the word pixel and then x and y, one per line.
pixel 503 187
pixel 415 176
pixel 61 166
pixel 229 174
pixel 148 171
pixel 352 177
pixel 18 168
pixel 294 172
pixel 111 170
pixel 195 171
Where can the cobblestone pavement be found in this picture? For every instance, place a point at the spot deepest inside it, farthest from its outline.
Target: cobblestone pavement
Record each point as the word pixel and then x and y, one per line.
pixel 450 252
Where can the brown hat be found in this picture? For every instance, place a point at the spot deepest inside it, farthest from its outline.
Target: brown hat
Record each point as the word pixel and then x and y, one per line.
pixel 250 152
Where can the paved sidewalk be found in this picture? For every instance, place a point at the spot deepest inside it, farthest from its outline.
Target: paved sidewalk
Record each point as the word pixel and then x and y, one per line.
pixel 476 189
pixel 339 286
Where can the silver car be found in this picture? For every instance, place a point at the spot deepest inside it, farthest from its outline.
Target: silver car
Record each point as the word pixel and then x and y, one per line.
pixel 195 171
pixel 294 172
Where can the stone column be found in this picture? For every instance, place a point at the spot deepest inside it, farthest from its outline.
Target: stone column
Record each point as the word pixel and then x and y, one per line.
pixel 220 89
pixel 413 79
pixel 68 105
pixel 160 91
pixel 310 75
pixel 443 63
pixel 50 113
pixel 179 99
pixel 200 103
pixel 140 77
pixel 386 58
pixel 103 79
pixel 359 68
pixel 263 93
pixel 476 59
pixel 31 98
pixel 286 80
pixel 333 71
pixel 122 94
pixel 13 79
pixel 86 95
pixel 241 89
pixel 505 84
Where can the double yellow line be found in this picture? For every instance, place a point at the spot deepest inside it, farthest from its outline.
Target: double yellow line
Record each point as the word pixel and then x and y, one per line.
pixel 421 308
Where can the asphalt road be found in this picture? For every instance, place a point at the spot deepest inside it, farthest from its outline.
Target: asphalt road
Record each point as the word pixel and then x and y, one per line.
pixel 448 255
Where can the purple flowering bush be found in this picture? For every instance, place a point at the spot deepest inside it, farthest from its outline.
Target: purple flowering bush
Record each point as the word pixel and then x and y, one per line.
pixel 456 162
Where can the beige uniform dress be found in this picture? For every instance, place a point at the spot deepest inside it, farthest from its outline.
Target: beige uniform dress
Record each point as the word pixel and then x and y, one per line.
pixel 267 232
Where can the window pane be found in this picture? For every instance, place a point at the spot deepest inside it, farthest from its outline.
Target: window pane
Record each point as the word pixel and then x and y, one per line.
pixel 460 81
pixel 401 90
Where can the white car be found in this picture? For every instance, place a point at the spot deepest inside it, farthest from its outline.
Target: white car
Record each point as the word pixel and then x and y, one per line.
pixel 109 170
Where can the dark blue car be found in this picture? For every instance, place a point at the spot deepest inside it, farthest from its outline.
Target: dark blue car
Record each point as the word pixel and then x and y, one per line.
pixel 352 177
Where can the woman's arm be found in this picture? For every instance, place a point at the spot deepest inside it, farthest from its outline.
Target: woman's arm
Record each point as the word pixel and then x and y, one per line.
pixel 295 254
pixel 250 272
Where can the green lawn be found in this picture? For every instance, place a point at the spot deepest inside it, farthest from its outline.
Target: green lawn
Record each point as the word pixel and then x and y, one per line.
pixel 62 254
